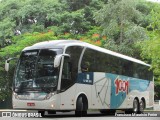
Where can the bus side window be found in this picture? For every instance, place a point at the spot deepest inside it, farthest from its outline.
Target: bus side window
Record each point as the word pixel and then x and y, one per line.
pixel 135 75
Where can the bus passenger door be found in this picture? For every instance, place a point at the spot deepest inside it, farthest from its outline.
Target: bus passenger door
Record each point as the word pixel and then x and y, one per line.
pixel 67 88
pixel 101 90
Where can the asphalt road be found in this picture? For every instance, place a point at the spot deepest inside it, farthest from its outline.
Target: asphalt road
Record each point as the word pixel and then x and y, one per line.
pixel 152 115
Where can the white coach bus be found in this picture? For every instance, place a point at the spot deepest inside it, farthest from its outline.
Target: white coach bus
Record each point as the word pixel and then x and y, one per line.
pixel 70 75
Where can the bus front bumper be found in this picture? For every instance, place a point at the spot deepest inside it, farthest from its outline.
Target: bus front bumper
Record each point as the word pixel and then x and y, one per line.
pixel 34 104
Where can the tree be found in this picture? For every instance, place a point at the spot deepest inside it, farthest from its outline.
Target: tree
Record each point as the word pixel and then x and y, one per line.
pixel 78 19
pixel 120 20
pixel 21 16
pixel 18 17
pixel 7 19
pixel 150 48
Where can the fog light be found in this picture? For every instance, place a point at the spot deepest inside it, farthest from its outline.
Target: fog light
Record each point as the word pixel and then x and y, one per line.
pixel 52 105
pixel 15 95
pixel 14 105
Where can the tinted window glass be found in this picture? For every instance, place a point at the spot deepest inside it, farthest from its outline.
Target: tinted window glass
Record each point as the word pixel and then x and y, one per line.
pixel 66 74
pixel 95 61
pixel 70 66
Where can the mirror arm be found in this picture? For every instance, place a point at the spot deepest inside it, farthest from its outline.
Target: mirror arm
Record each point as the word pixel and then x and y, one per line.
pixel 9 59
pixel 57 59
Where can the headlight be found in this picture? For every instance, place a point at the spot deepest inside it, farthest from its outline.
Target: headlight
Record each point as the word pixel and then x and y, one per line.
pixel 15 95
pixel 48 96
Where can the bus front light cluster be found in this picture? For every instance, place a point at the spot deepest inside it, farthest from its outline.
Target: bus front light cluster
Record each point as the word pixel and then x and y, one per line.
pixel 48 96
pixel 15 95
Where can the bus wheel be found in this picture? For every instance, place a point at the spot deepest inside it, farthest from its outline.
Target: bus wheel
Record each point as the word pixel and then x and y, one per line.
pixel 135 106
pixel 141 106
pixel 81 109
pixel 42 113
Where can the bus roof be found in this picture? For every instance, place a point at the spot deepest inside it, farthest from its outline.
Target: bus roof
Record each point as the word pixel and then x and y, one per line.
pixel 66 43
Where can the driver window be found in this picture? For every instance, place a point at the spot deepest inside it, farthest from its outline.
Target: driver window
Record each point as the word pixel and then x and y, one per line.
pixel 66 74
pixel 66 69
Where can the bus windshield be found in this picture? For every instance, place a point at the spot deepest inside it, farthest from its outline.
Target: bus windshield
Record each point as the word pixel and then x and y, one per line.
pixel 36 72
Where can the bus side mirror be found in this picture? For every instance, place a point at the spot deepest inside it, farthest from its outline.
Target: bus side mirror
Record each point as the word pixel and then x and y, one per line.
pixel 58 58
pixel 7 65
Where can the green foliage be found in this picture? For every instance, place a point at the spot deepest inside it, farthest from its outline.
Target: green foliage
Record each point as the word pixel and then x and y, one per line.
pixel 155 17
pixel 120 22
pixel 8 18
pixel 38 15
pixel 150 50
pixel 157 89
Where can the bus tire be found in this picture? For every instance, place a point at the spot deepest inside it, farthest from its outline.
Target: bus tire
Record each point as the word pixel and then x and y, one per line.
pixel 81 107
pixel 141 105
pixel 135 106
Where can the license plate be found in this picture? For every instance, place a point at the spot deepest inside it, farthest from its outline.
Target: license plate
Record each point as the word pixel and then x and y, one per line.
pixel 30 104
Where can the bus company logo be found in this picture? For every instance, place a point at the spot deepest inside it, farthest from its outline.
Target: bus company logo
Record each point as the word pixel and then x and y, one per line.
pixel 6 114
pixel 121 86
pixel 87 80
